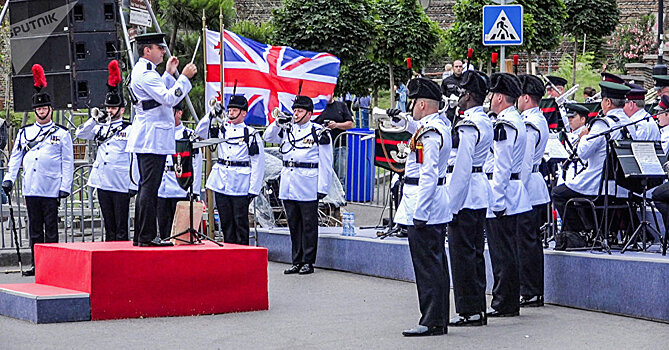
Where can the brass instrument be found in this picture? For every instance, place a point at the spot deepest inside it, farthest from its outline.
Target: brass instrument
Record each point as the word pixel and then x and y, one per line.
pixel 100 115
pixel 385 122
pixel 217 111
pixel 284 120
pixel 560 100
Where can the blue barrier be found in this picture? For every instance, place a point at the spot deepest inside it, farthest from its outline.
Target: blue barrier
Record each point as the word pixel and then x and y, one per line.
pixel 360 167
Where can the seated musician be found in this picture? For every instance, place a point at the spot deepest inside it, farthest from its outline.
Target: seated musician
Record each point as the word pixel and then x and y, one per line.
pixel 661 193
pixel 593 152
pixel 578 117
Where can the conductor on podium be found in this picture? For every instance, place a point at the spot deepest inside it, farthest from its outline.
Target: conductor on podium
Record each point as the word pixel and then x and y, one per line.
pixel 152 135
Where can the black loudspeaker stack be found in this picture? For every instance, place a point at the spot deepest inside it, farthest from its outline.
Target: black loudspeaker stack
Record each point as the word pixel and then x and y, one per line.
pixel 74 40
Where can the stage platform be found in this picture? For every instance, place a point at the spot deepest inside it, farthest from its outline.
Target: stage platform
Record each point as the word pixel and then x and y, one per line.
pixel 123 281
pixel 632 284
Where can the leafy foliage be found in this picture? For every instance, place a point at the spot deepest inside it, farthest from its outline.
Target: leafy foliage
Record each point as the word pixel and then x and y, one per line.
pixel 596 18
pixel 466 31
pixel 543 24
pixel 258 32
pixel 344 28
pixel 631 42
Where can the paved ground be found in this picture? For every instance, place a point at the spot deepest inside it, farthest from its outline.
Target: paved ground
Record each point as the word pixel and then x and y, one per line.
pixel 336 310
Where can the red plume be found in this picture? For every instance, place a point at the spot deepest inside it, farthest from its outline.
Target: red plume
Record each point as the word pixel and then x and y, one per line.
pixel 39 77
pixel 114 73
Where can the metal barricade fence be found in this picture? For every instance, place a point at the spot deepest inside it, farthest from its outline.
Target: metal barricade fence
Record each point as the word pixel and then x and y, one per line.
pixel 364 183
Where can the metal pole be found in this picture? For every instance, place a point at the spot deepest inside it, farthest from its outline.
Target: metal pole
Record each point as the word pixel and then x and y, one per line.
pixel 5 7
pixel 169 54
pixel 126 36
pixel 660 68
pixel 502 50
pixel 209 161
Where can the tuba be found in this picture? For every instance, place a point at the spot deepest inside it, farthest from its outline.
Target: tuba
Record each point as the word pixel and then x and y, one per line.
pixel 100 115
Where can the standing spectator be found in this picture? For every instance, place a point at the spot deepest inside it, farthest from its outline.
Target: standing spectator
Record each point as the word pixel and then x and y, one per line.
pixel 338 118
pixel 402 98
pixel 449 86
pixel 589 94
pixel 362 113
pixel 448 71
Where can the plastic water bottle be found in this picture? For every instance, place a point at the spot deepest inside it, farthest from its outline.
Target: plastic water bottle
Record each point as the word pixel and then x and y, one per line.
pixel 344 224
pixel 559 224
pixel 351 220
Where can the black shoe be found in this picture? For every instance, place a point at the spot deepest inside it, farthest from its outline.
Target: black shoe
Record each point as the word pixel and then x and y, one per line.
pixel 306 269
pixel 494 313
pixel 424 331
pixel 292 270
pixel 535 301
pixel 155 243
pixel 474 320
pixel 29 273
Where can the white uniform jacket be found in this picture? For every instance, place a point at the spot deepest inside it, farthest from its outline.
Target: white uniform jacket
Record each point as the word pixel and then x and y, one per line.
pixel 226 176
pixel 169 187
pixel 646 130
pixel 48 165
pixel 111 169
pixel 428 200
pixel 509 195
pixel 664 137
pixel 592 150
pixel 537 139
pixel 467 189
pixel 568 171
pixel 299 147
pixel 153 126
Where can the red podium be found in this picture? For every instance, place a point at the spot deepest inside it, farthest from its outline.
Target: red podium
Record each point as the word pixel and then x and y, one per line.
pixel 129 282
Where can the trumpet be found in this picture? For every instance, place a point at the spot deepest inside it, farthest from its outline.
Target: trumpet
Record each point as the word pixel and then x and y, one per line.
pixel 217 111
pixel 284 120
pixel 385 122
pixel 100 115
pixel 560 100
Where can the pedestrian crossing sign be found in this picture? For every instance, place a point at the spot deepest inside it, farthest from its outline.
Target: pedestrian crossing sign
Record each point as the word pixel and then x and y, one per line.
pixel 503 25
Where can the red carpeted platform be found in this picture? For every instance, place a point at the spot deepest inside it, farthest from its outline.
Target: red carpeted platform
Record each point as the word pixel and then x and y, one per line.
pixel 128 282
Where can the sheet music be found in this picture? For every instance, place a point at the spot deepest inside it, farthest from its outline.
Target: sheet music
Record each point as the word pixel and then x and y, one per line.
pixel 554 149
pixel 644 153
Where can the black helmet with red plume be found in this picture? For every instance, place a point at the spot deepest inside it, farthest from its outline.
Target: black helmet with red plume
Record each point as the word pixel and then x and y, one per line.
pixel 114 97
pixel 40 98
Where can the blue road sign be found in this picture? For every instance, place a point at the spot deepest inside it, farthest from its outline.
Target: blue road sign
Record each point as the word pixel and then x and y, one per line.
pixel 503 25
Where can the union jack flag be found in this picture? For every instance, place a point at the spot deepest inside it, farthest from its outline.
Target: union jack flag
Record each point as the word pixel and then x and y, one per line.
pixel 269 76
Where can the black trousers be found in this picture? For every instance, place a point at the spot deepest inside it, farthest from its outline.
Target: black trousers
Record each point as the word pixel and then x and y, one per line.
pixel 303 225
pixel 575 220
pixel 151 168
pixel 233 211
pixel 115 210
pixel 166 209
pixel 502 245
pixel 531 251
pixel 42 221
pixel 466 245
pixel 430 265
pixel 661 200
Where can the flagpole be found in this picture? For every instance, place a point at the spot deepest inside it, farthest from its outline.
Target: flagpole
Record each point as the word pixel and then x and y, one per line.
pixel 211 221
pixel 222 53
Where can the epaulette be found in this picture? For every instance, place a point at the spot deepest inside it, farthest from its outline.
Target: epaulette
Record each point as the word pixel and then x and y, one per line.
pixel 125 124
pixel 62 127
pixel 500 133
pixel 531 125
pixel 600 119
pixel 467 122
pixel 25 126
pixel 425 129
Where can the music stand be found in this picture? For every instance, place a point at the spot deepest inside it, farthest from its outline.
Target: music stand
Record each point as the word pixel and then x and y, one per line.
pixel 555 153
pixel 185 149
pixel 632 176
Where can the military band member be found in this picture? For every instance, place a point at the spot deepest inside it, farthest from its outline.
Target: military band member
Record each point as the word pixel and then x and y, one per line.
pixel 469 193
pixel 618 115
pixel 509 196
pixel 646 128
pixel 660 194
pixel 424 206
pixel 661 85
pixel 152 136
pixel 593 152
pixel 530 235
pixel 560 84
pixel 305 178
pixel 110 173
pixel 44 149
pixel 578 117
pixel 170 192
pixel 237 176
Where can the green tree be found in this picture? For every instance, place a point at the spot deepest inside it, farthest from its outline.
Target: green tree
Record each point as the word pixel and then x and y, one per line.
pixel 187 15
pixel 405 31
pixel 344 28
pixel 594 18
pixel 466 32
pixel 259 32
pixel 543 24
